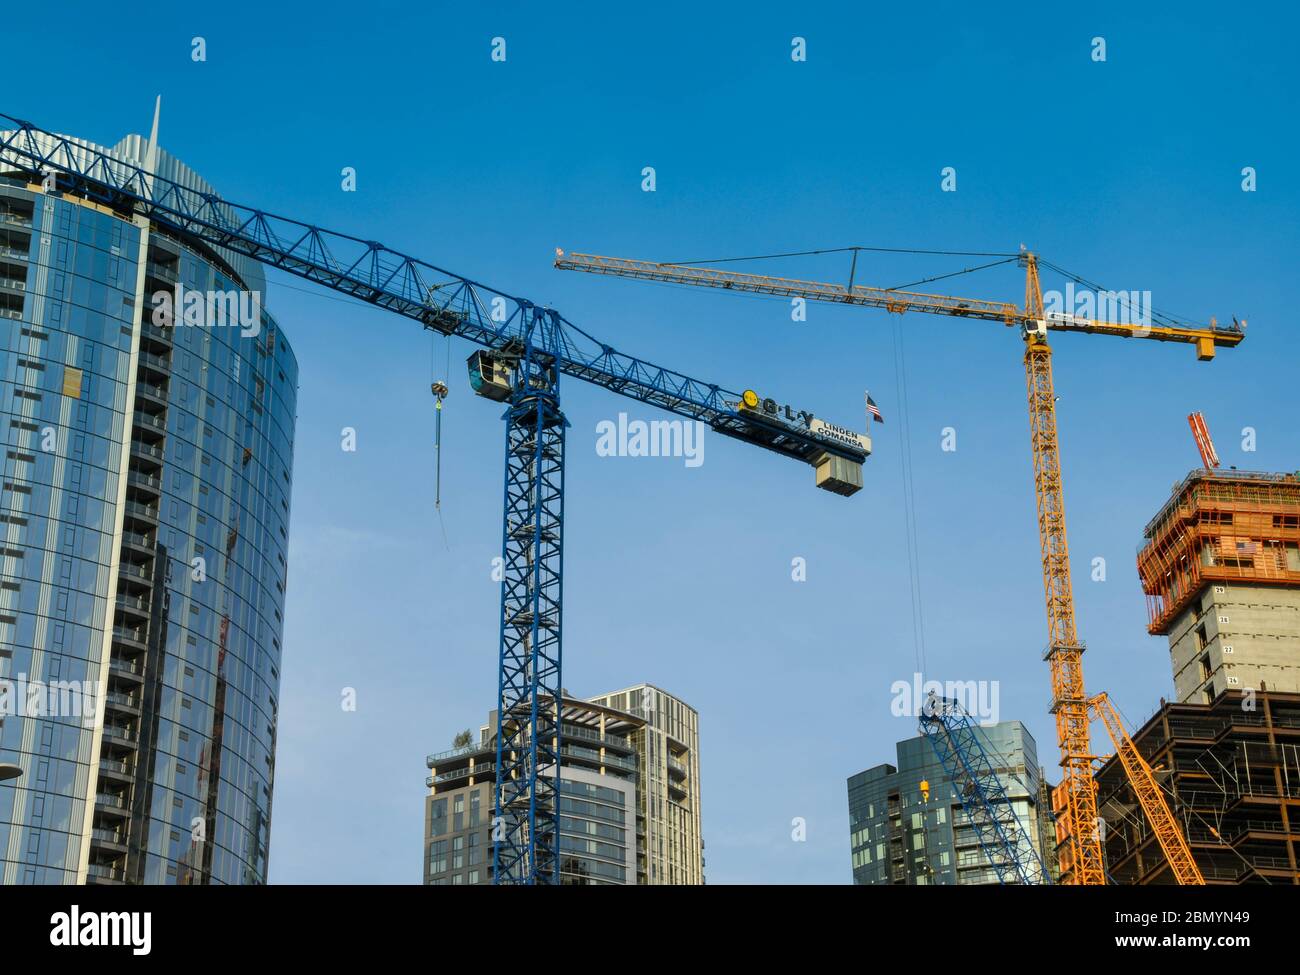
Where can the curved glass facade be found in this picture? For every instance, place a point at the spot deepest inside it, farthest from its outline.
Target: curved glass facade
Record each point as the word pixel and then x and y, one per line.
pixel 145 512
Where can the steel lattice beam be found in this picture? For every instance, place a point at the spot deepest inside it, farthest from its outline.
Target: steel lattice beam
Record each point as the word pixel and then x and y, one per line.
pixel 529 700
pixel 1081 859
pixel 1003 838
pixel 439 299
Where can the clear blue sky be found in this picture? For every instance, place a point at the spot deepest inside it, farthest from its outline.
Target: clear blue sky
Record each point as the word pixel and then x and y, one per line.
pixel 1127 171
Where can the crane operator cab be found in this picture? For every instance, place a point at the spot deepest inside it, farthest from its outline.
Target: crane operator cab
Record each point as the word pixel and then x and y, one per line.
pixel 489 376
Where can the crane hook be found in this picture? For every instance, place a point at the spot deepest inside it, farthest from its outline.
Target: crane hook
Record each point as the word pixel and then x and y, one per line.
pixel 440 392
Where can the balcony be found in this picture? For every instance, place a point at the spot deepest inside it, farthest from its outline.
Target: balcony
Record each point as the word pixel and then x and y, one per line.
pixel 576 732
pixel 122 703
pixel 158 363
pixel 166 273
pixel 464 750
pixel 109 840
pixel 140 542
pixel 591 756
pixel 147 512
pixel 149 422
pixel 152 393
pixel 134 637
pixel 113 805
pixel 102 873
pixel 116 768
pixel 150 453
pixel 123 734
pixel 157 333
pixel 136 606
pixel 148 483
pixel 130 669
pixel 481 768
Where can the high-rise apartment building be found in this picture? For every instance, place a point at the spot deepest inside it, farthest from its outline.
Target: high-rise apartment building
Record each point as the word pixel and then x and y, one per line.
pixel 144 520
pixel 899 836
pixel 668 801
pixel 629 796
pixel 1220 565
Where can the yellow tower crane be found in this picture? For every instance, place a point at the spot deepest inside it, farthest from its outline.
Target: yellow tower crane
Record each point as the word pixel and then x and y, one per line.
pixel 1080 853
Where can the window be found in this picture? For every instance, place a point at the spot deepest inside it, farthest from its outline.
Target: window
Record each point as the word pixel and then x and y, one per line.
pixel 438 856
pixel 438 817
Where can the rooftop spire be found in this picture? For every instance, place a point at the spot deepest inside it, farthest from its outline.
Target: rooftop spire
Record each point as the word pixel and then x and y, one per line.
pixel 151 152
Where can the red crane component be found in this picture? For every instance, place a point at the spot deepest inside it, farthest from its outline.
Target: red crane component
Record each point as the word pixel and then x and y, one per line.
pixel 1201 432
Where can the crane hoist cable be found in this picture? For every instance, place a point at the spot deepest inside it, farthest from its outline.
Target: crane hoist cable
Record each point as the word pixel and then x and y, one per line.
pixel 440 390
pixel 842 250
pixel 954 274
pixel 909 501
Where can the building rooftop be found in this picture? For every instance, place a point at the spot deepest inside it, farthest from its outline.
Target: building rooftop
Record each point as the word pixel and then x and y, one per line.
pixel 1219 526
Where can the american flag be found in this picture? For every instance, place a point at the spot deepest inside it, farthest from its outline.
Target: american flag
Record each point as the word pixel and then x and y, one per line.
pixel 873 410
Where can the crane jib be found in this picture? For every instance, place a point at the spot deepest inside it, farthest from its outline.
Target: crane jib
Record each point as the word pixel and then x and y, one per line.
pixel 439 299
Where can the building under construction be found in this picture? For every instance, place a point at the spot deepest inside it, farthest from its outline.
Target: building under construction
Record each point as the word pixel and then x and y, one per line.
pixel 1231 773
pixel 1220 565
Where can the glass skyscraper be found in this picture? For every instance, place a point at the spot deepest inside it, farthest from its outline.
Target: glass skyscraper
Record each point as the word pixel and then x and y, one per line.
pixel 900 834
pixel 143 541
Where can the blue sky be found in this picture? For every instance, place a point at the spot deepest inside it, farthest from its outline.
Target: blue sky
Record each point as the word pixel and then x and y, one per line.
pixel 1127 171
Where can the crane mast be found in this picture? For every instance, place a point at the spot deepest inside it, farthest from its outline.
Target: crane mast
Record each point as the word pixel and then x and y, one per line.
pixel 1080 839
pixel 1081 857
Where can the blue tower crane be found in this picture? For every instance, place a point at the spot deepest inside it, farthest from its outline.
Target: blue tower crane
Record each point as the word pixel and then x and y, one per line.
pixel 1003 838
pixel 524 350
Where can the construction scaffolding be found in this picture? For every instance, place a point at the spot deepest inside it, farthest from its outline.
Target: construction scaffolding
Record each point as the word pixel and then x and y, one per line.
pixel 1219 527
pixel 1230 772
